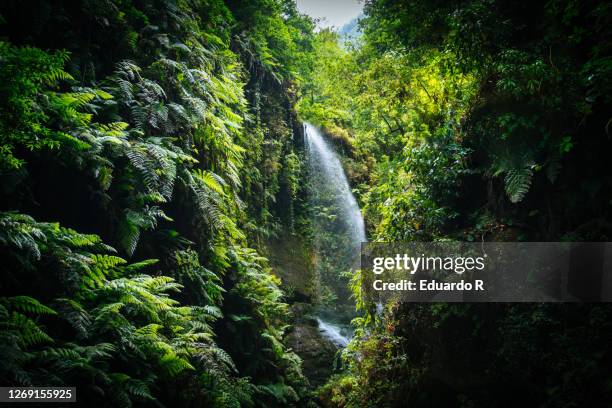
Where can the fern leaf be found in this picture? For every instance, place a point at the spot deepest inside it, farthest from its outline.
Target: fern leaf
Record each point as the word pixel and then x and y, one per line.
pixel 518 182
pixel 28 305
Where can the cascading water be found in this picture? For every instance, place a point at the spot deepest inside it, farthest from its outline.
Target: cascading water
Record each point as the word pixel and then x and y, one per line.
pixel 329 175
pixel 338 231
pixel 332 332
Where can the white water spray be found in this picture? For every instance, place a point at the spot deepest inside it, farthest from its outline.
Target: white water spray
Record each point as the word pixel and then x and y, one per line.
pixel 325 165
pixel 332 332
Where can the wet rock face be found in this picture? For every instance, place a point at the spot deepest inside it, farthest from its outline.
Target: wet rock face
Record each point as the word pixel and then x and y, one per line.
pixel 317 352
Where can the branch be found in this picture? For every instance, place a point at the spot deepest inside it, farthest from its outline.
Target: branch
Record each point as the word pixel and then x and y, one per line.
pixel 391 130
pixel 426 91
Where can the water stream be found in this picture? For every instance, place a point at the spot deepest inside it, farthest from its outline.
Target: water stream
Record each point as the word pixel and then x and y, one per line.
pixel 338 229
pixel 329 176
pixel 332 332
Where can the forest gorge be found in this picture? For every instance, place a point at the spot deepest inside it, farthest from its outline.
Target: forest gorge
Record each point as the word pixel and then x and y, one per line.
pixel 158 239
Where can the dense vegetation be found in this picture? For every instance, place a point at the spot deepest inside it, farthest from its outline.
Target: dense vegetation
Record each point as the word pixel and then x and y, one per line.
pixel 151 163
pixel 145 146
pixel 474 120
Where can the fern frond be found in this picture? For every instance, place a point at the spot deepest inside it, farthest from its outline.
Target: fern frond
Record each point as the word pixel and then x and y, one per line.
pixel 27 304
pixel 518 182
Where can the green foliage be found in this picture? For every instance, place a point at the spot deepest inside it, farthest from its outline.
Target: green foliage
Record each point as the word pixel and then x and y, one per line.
pixel 167 130
pixel 36 117
pixel 436 96
pixel 402 112
pixel 471 120
pixel 145 132
pixel 517 183
pixel 254 301
pixel 275 37
pixel 119 316
pixel 493 354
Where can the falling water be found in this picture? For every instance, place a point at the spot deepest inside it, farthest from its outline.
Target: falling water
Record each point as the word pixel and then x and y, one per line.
pixel 333 333
pixel 329 175
pixel 338 226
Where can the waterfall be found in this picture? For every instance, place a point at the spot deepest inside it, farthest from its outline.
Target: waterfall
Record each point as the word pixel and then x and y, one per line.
pixel 329 176
pixel 338 228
